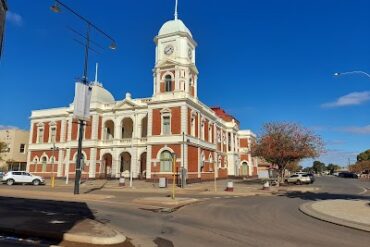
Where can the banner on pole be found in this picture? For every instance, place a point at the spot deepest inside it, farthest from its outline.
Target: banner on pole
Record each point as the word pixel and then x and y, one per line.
pixel 82 101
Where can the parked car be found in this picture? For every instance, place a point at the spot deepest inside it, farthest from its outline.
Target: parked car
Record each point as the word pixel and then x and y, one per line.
pixel 21 177
pixel 347 175
pixel 1 175
pixel 298 179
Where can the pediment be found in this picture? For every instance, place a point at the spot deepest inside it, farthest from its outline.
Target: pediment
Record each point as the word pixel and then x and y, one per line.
pixel 167 63
pixel 125 104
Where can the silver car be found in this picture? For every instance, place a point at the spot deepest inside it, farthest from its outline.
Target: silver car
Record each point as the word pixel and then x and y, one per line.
pixel 298 179
pixel 21 177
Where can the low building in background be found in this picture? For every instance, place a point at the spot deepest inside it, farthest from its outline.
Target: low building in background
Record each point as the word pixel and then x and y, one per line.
pixel 15 156
pixel 3 9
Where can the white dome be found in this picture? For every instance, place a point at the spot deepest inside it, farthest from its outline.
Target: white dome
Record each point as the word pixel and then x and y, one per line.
pixel 174 26
pixel 101 95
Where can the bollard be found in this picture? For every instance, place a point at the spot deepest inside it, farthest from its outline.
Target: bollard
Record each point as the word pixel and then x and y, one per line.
pixel 230 186
pixel 122 181
pixel 266 185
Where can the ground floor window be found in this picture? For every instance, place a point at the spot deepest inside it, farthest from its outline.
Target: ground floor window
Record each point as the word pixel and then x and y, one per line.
pixel 166 161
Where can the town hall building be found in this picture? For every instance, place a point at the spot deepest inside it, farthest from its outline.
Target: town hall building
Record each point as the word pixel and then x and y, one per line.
pixel 138 136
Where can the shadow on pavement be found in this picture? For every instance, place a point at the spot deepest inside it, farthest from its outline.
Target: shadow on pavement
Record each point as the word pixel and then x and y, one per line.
pixel 46 219
pixel 96 188
pixel 316 196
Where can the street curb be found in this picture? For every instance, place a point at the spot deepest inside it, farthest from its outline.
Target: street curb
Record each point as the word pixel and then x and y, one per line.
pixel 161 202
pixel 76 238
pixel 307 209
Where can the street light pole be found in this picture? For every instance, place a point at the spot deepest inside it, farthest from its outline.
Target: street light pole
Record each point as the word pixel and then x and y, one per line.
pixel 89 25
pixel 53 163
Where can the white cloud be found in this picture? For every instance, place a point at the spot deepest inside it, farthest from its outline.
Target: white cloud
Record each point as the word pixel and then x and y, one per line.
pixel 355 98
pixel 363 130
pixel 5 127
pixel 14 18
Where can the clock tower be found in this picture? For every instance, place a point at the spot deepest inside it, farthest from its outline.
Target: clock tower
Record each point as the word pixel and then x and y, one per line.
pixel 175 74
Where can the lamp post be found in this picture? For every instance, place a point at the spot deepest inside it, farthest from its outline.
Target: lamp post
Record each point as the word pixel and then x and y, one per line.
pixel 352 72
pixel 174 175
pixel 56 8
pixel 52 184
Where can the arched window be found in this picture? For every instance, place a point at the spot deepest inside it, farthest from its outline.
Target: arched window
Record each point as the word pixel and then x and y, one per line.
pixel 44 161
pixel 168 83
pixel 166 161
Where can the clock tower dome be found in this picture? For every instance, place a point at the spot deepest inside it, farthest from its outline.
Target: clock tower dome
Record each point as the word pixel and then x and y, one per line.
pixel 175 73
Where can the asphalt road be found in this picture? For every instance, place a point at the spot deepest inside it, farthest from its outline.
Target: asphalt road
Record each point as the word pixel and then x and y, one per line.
pixel 244 221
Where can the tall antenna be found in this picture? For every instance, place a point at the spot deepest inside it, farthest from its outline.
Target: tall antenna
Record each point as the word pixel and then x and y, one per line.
pixel 176 9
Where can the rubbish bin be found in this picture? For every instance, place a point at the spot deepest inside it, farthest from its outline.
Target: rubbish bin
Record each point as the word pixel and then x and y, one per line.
pixel 162 182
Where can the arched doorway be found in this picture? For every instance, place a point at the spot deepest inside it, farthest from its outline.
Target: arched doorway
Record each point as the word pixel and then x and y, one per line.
pixel 143 165
pixel 125 167
pixel 244 169
pixel 107 166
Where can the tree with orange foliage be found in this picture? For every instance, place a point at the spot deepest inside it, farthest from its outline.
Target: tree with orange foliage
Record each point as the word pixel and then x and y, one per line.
pixel 285 143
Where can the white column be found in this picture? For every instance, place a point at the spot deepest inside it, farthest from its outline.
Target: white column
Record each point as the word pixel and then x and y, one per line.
pixel 134 160
pixel 115 165
pixel 28 160
pixel 95 127
pixel 60 163
pixel 149 162
pixel 150 122
pixel 184 119
pixel 63 130
pixel 139 127
pixel 67 158
pixel 199 162
pixel 117 130
pixel 69 137
pixel 92 167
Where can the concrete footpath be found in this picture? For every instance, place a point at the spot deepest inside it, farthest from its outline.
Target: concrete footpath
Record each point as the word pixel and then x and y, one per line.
pixel 350 213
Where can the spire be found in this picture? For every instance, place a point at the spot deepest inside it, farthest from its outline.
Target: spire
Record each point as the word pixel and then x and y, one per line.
pixel 176 9
pixel 96 82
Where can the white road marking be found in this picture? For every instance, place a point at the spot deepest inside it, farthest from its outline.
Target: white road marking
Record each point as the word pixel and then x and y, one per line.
pixel 364 190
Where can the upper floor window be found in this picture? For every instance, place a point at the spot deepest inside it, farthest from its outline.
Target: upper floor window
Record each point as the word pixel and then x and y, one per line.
pixel 22 148
pixel 168 83
pixel 53 132
pixel 210 134
pixel 166 125
pixel 40 135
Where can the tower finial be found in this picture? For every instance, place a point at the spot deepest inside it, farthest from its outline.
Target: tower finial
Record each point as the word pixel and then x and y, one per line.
pixel 176 9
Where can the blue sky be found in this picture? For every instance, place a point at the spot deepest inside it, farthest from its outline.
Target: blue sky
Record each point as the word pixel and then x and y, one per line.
pixel 261 60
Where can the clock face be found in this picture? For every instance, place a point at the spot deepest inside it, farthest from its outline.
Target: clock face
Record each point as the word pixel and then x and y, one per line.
pixel 190 53
pixel 168 50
